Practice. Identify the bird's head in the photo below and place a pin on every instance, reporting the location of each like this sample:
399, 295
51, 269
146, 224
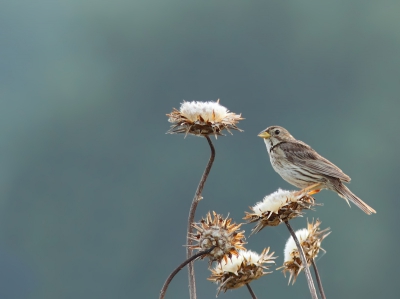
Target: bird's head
274, 135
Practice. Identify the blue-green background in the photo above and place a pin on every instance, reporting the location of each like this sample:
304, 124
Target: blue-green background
94, 195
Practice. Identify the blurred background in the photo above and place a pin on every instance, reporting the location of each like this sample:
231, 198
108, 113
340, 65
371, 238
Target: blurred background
94, 195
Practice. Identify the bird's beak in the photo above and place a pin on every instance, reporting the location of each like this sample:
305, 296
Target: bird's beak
265, 135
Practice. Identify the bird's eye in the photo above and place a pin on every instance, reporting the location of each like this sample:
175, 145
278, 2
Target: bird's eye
277, 132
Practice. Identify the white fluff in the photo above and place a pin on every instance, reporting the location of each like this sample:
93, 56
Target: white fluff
205, 109
290, 246
251, 256
274, 201
233, 265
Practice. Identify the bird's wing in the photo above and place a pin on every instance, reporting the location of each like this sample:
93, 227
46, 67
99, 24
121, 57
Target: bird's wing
304, 156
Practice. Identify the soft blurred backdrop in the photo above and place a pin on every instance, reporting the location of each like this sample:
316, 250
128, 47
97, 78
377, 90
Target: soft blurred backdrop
94, 195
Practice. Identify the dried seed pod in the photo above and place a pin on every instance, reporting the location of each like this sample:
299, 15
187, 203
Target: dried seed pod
241, 269
202, 118
310, 239
278, 207
220, 232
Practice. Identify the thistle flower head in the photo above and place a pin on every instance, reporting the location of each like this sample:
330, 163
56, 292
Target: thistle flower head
202, 118
310, 239
221, 233
280, 206
241, 269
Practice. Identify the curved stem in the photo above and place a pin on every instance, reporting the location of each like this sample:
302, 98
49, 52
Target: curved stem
172, 275
192, 212
251, 291
319, 282
310, 281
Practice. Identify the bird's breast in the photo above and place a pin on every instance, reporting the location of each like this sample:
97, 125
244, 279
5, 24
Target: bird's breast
288, 171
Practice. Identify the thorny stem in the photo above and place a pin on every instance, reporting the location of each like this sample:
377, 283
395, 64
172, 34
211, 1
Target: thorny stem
172, 275
321, 289
192, 212
304, 262
251, 291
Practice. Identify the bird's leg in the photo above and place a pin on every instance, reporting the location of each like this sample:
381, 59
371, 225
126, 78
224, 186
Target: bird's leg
312, 192
312, 189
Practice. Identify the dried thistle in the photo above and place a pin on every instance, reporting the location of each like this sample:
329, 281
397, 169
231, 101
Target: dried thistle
310, 239
241, 269
202, 118
220, 232
278, 207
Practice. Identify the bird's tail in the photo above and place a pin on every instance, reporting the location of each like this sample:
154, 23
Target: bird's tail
345, 193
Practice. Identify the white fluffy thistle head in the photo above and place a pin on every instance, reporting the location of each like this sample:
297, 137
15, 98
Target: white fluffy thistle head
202, 118
280, 206
241, 269
310, 239
209, 111
290, 247
234, 264
274, 201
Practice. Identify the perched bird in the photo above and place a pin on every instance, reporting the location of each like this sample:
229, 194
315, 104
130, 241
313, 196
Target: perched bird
301, 166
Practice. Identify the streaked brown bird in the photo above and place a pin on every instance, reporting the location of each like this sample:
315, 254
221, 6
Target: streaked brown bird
301, 166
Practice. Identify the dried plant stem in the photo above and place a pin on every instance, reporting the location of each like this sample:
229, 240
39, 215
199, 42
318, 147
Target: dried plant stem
310, 281
321, 289
172, 275
251, 291
192, 212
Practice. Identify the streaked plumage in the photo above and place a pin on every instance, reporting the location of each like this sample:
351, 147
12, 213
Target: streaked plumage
301, 166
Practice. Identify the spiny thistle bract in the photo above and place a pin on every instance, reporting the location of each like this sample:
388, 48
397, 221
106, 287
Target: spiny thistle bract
220, 232
241, 269
278, 207
202, 118
310, 239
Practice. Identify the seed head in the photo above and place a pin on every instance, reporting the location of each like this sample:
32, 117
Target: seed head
220, 232
310, 239
280, 206
241, 269
202, 118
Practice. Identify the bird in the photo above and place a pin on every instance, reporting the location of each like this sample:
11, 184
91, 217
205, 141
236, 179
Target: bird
300, 165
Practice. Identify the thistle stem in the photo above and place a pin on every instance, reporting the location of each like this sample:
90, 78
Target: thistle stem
319, 282
310, 281
172, 275
251, 291
192, 212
